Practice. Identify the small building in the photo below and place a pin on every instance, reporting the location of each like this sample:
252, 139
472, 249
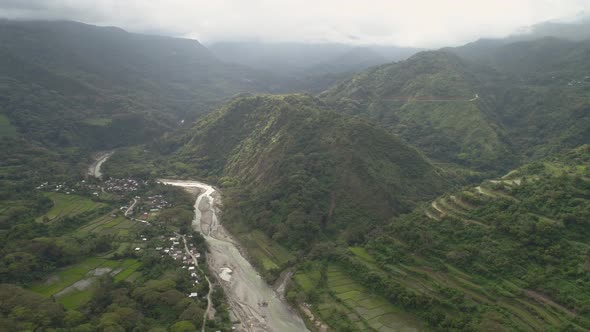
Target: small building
193, 294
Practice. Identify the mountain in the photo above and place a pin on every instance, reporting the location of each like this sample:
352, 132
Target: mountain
308, 67
509, 254
577, 30
293, 168
539, 92
433, 101
547, 58
486, 105
79, 79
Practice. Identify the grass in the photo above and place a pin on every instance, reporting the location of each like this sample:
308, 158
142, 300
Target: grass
76, 299
128, 271
6, 128
68, 206
67, 276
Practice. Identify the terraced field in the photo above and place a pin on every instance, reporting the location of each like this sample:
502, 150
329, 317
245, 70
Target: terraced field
368, 311
476, 212
265, 252
68, 206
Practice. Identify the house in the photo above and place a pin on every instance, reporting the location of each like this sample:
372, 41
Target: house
193, 294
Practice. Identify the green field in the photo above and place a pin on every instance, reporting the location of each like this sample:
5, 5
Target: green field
68, 206
66, 277
6, 129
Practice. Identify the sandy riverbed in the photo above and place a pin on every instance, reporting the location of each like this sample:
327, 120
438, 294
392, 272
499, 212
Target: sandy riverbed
252, 300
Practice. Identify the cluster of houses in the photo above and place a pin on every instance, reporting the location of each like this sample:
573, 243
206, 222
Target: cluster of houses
122, 186
179, 254
157, 202
56, 187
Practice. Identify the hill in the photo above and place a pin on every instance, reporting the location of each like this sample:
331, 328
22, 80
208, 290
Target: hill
490, 106
68, 88
293, 168
432, 101
546, 58
62, 82
510, 254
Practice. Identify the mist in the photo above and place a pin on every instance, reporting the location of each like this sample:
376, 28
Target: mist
419, 23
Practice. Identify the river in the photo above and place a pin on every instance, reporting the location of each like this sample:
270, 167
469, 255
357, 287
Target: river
253, 302
94, 169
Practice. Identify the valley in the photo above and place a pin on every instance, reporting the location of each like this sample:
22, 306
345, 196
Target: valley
153, 183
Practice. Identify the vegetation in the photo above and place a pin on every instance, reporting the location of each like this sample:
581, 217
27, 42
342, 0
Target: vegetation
299, 172
468, 113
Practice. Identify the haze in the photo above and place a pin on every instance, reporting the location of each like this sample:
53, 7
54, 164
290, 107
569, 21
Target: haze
418, 23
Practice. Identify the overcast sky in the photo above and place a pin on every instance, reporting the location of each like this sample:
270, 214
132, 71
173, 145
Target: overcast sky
421, 23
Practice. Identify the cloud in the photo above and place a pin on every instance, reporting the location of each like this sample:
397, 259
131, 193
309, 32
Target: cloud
423, 23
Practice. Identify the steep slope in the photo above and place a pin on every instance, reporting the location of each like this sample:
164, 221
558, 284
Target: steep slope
76, 84
508, 255
433, 101
300, 172
546, 58
541, 94
166, 70
68, 88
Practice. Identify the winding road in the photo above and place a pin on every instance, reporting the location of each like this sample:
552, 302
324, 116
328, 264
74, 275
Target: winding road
253, 302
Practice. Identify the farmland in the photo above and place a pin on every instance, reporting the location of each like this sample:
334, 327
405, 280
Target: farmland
345, 300
266, 254
72, 286
68, 206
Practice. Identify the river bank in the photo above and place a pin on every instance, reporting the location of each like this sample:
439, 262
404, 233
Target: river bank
253, 302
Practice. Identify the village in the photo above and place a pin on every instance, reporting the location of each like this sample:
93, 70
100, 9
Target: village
187, 257
115, 186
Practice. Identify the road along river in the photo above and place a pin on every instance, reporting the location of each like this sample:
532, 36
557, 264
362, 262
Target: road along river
253, 302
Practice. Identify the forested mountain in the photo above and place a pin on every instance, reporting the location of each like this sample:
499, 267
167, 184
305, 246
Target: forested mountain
544, 59
509, 254
432, 101
70, 83
299, 171
492, 109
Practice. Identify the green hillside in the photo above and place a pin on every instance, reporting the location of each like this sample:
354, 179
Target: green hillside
501, 105
508, 255
432, 100
299, 171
